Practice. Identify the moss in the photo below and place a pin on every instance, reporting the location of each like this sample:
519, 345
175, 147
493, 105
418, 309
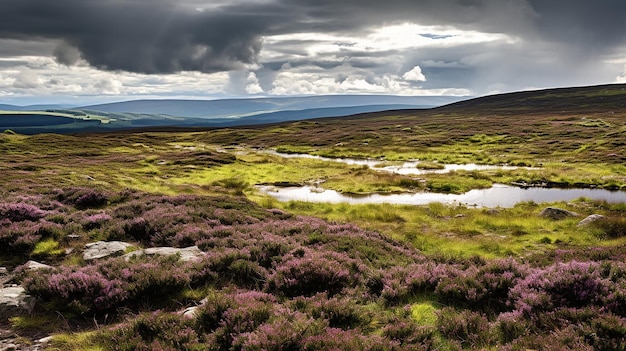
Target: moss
47, 248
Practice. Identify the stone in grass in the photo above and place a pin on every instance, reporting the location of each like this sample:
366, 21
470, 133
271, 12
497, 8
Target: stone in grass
15, 302
35, 266
590, 219
192, 312
557, 213
192, 253
102, 249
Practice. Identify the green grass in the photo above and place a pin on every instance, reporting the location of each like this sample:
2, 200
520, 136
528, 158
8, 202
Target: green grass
85, 341
424, 314
47, 248
565, 149
461, 231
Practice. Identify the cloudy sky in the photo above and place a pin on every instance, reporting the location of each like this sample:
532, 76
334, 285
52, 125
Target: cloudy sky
77, 51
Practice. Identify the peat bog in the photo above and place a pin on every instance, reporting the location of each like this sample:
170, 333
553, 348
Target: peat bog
314, 276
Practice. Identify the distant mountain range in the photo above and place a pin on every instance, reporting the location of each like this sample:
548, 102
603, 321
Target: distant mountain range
6, 107
201, 113
233, 108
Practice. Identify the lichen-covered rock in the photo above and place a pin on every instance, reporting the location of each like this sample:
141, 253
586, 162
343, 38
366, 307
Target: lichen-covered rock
14, 302
192, 253
102, 249
590, 219
35, 266
557, 213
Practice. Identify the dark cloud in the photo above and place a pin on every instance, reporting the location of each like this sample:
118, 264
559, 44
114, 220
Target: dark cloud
166, 36
14, 47
589, 25
147, 36
66, 54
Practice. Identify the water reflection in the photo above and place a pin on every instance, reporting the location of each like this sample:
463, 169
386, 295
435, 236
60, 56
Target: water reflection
406, 168
497, 196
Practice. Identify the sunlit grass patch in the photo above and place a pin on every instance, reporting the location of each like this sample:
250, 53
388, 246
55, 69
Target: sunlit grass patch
424, 313
48, 247
85, 341
40, 323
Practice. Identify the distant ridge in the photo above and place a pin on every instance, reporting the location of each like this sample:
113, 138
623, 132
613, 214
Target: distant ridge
6, 107
226, 108
589, 98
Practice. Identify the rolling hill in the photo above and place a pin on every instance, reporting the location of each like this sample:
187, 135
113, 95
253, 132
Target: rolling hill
229, 108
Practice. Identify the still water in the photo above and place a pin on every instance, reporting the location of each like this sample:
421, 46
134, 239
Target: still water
406, 168
497, 196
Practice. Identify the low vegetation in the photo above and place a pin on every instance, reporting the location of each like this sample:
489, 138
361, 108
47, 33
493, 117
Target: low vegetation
305, 276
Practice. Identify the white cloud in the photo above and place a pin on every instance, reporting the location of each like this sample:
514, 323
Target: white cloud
415, 75
621, 78
27, 79
309, 80
253, 86
109, 86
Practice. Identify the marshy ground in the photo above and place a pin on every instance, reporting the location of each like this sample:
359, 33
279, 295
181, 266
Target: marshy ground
432, 277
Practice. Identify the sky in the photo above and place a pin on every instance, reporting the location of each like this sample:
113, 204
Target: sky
88, 51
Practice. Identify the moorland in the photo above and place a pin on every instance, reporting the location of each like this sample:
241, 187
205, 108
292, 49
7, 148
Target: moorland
273, 275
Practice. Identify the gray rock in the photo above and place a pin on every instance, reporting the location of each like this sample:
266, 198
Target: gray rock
8, 347
590, 219
190, 312
35, 266
557, 213
103, 249
192, 253
14, 302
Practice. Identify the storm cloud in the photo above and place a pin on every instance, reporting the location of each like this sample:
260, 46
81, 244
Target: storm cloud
165, 36
309, 46
149, 36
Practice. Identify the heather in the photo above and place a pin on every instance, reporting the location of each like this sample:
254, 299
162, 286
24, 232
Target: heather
305, 276
273, 280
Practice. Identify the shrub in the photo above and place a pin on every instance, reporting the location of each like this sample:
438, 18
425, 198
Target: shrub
346, 340
566, 339
340, 312
286, 332
611, 227
96, 221
154, 331
574, 284
19, 212
83, 198
306, 273
106, 285
210, 313
470, 329
405, 331
21, 238
607, 332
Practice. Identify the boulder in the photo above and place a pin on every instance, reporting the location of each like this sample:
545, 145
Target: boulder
557, 213
102, 249
192, 253
35, 266
192, 312
590, 219
14, 302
